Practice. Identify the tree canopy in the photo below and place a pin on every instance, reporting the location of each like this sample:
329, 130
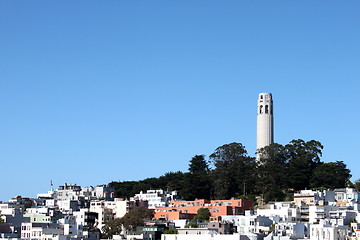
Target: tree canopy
330, 175
111, 228
135, 218
198, 164
203, 214
234, 171
280, 170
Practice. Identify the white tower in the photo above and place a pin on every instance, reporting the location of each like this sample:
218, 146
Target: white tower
265, 121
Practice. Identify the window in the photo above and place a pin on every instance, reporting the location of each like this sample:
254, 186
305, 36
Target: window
261, 109
267, 109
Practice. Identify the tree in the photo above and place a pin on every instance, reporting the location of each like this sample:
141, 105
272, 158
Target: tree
192, 224
111, 228
174, 180
197, 183
330, 175
198, 164
272, 173
357, 185
170, 231
136, 217
304, 157
203, 214
234, 171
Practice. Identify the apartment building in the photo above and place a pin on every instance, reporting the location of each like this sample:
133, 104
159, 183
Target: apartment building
217, 208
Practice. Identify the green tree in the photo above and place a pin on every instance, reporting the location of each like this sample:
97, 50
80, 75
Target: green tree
330, 175
171, 231
198, 164
203, 214
234, 171
111, 228
304, 157
174, 180
272, 175
196, 183
356, 185
192, 224
136, 217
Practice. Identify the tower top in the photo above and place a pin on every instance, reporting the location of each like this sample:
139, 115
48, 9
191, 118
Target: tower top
265, 103
264, 96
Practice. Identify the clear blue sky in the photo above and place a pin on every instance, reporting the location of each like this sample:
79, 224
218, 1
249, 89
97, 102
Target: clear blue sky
96, 91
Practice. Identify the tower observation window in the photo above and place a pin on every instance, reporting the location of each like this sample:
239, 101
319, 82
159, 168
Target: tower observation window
261, 109
266, 109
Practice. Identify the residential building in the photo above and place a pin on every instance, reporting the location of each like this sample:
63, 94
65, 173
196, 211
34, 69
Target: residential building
157, 198
280, 212
291, 230
217, 208
310, 197
124, 206
317, 213
37, 230
325, 231
250, 223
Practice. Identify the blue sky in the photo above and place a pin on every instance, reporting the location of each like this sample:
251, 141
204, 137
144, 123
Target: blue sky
100, 91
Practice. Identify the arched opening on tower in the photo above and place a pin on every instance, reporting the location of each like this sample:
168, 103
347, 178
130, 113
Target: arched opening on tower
267, 109
261, 109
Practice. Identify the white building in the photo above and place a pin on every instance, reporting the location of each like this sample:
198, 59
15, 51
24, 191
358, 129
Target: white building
68, 192
75, 192
67, 205
204, 234
316, 213
124, 206
325, 231
105, 210
281, 212
101, 192
310, 197
38, 230
71, 226
346, 195
157, 198
291, 230
249, 223
342, 217
8, 208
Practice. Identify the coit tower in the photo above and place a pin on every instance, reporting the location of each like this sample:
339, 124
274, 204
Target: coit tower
265, 121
